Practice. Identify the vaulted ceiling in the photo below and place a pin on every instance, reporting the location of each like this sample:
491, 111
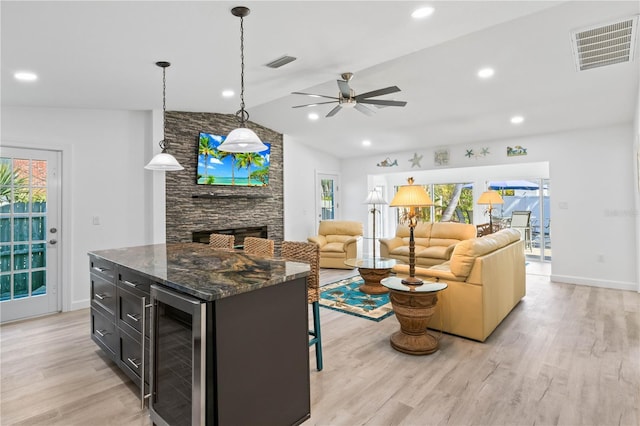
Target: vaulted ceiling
101, 54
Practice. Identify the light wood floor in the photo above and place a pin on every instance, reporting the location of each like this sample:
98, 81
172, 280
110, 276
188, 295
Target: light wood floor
567, 355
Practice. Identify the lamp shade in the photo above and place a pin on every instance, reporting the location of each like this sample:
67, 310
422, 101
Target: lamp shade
375, 197
242, 140
490, 197
411, 196
164, 162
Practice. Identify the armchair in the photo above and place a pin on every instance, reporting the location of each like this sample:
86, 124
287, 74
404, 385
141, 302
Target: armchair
338, 241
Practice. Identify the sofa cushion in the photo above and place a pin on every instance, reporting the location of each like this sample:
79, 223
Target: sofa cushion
404, 250
465, 252
340, 227
335, 247
338, 238
435, 252
447, 233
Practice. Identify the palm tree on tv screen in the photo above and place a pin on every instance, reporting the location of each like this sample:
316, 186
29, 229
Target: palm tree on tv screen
206, 150
247, 159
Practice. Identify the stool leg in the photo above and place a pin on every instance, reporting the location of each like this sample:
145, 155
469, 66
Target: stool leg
316, 333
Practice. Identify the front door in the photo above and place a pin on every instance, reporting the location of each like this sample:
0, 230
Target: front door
29, 233
327, 186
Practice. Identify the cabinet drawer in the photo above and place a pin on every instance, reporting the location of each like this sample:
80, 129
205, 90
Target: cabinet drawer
103, 331
130, 311
132, 280
102, 268
130, 360
103, 293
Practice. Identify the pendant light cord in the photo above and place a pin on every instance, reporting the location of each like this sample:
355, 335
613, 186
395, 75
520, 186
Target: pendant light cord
242, 115
163, 142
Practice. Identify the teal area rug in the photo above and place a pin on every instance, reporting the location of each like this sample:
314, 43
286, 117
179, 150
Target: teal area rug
344, 296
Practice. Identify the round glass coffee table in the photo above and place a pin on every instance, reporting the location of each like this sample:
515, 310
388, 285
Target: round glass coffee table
372, 270
414, 306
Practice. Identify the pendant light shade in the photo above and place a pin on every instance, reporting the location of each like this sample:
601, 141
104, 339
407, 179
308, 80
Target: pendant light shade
164, 161
242, 139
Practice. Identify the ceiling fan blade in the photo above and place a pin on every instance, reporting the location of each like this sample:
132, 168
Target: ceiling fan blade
334, 111
310, 105
382, 102
313, 95
379, 92
344, 88
363, 109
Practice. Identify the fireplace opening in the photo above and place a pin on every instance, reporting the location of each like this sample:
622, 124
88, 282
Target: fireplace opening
238, 233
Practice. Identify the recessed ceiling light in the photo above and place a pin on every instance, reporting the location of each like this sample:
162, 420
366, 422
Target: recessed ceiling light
422, 12
366, 142
25, 76
486, 73
228, 93
313, 116
517, 119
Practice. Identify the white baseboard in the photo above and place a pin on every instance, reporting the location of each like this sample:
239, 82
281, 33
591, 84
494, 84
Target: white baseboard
617, 285
80, 304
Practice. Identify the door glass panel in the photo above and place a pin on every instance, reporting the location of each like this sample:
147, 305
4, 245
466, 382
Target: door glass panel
5, 258
20, 285
21, 229
5, 229
38, 258
20, 257
38, 228
38, 283
328, 199
5, 287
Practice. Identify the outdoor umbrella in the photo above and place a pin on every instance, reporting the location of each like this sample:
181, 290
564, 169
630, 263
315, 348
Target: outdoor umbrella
512, 184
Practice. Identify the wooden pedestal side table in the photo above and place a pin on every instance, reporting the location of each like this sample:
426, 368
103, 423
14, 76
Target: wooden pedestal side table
414, 306
372, 270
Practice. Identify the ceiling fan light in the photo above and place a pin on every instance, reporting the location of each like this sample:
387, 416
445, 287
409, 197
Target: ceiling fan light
242, 140
164, 162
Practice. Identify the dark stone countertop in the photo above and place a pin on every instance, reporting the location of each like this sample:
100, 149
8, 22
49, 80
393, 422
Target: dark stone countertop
198, 270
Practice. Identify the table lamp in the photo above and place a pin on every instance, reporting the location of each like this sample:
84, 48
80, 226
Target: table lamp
374, 198
412, 197
490, 198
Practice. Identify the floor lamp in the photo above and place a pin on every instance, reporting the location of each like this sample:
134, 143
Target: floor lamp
412, 197
490, 198
374, 198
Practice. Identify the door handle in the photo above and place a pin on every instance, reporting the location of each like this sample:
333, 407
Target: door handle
53, 241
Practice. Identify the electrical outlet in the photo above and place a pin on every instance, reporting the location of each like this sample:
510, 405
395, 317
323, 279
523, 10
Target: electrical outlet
601, 258
95, 220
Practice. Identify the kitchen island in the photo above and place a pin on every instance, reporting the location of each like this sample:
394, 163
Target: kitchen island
225, 340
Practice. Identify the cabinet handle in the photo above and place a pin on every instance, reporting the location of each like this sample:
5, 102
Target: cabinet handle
136, 318
143, 307
136, 364
130, 284
101, 296
97, 268
102, 333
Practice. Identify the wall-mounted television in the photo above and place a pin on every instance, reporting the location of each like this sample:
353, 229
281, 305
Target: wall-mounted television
230, 168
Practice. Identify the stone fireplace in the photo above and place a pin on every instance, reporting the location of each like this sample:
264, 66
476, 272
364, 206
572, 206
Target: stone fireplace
194, 208
238, 233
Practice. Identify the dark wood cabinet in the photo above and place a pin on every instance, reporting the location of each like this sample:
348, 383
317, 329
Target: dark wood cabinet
119, 310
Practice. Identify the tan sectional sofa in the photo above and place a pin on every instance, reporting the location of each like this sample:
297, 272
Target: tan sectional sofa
434, 242
486, 280
338, 240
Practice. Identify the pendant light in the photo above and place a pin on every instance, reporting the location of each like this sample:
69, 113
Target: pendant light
164, 161
242, 139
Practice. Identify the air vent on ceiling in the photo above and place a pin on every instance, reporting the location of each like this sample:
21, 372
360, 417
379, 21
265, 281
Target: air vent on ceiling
284, 60
602, 45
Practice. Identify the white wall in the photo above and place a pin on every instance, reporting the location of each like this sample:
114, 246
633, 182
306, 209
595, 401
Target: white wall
104, 153
635, 160
300, 190
590, 174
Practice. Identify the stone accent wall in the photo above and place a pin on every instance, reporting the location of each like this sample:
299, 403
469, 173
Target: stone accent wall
234, 206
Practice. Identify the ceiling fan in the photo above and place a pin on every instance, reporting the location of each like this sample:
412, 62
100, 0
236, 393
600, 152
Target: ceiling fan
347, 98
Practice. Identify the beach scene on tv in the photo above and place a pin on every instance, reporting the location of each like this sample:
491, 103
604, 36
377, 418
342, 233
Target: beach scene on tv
230, 168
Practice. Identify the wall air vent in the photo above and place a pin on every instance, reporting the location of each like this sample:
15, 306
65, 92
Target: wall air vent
284, 60
603, 45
